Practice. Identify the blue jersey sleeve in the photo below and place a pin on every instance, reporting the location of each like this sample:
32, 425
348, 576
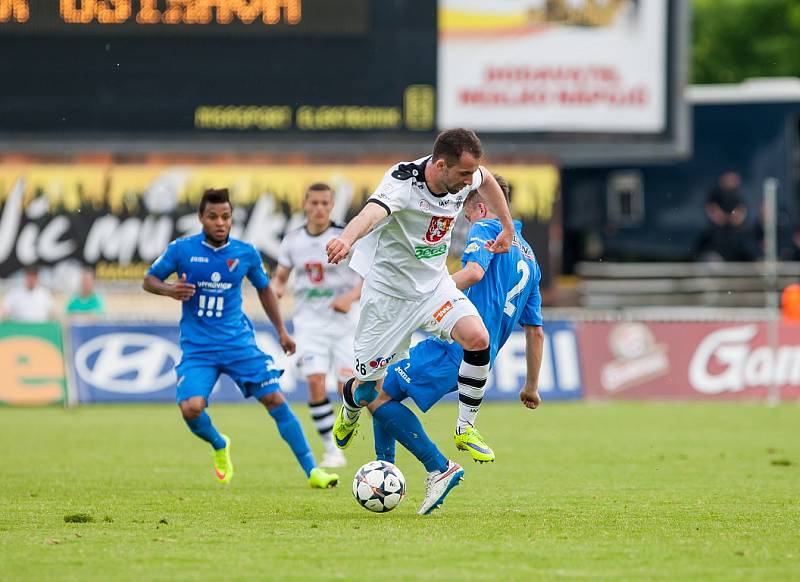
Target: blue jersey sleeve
167, 263
475, 250
256, 271
532, 313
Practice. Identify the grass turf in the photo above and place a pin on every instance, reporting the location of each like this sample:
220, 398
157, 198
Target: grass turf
622, 491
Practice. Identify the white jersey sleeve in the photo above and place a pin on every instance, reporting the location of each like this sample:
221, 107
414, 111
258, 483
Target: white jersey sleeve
392, 193
284, 256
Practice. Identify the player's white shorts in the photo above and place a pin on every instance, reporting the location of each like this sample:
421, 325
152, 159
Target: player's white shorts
384, 330
319, 353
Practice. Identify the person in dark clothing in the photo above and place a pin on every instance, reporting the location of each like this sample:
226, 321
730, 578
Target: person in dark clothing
727, 237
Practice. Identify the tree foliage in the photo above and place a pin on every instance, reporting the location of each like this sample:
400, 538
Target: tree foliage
738, 39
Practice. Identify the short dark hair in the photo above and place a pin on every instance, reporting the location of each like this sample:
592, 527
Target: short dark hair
451, 144
318, 187
504, 186
212, 196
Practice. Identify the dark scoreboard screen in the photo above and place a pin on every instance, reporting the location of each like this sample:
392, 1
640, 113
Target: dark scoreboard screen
217, 66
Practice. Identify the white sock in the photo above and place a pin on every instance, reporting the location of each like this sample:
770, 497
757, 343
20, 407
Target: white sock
323, 418
471, 388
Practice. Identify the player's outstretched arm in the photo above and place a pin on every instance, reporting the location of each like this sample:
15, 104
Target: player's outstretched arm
493, 194
269, 302
180, 289
339, 247
470, 274
534, 346
279, 280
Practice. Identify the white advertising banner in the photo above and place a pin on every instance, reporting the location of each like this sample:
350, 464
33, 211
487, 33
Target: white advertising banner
553, 65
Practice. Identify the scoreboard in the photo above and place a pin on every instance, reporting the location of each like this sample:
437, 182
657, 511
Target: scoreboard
578, 81
201, 17
227, 67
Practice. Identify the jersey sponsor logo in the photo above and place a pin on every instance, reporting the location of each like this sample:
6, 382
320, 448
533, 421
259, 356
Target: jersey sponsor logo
319, 293
524, 249
315, 272
424, 206
472, 247
214, 285
127, 362
443, 203
216, 277
210, 305
439, 314
438, 228
198, 259
270, 381
232, 264
381, 362
423, 253
402, 373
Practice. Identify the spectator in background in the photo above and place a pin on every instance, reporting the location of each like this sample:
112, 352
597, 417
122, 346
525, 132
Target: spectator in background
727, 237
29, 302
86, 303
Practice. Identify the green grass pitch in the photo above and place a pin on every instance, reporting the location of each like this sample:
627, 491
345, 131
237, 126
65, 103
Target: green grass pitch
579, 491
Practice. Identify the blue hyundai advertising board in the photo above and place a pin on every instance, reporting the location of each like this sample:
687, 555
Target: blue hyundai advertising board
124, 362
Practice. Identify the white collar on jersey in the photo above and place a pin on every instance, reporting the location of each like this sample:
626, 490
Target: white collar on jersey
215, 249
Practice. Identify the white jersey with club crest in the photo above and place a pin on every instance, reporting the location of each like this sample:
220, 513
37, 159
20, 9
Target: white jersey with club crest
405, 255
317, 282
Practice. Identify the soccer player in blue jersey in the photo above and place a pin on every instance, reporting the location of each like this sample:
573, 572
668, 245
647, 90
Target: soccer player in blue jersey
218, 338
505, 290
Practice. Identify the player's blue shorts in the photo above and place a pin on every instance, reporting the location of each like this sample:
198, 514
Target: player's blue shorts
430, 372
253, 371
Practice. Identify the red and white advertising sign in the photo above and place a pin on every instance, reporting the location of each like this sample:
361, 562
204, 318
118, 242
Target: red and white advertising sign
687, 360
540, 65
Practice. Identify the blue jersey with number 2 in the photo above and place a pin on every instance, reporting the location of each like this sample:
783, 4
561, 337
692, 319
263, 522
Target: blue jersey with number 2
508, 294
213, 320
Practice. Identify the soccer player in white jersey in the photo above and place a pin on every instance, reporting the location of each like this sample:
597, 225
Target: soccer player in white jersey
324, 315
407, 285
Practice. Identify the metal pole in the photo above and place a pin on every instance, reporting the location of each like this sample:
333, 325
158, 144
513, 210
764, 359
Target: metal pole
771, 276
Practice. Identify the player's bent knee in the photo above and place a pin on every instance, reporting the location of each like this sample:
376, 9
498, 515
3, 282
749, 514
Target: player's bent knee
191, 408
477, 341
272, 400
471, 334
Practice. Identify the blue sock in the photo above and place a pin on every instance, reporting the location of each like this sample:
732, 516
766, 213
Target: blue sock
202, 427
404, 426
292, 433
384, 442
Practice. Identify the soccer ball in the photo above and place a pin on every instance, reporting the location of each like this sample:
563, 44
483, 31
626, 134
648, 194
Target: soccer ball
379, 486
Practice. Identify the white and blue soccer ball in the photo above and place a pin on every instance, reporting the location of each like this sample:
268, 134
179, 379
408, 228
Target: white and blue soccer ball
379, 486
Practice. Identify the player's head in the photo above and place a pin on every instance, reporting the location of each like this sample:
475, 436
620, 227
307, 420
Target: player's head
318, 204
475, 207
87, 282
31, 277
216, 213
456, 156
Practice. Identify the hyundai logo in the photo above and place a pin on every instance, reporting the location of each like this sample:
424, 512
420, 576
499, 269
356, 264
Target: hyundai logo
129, 363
